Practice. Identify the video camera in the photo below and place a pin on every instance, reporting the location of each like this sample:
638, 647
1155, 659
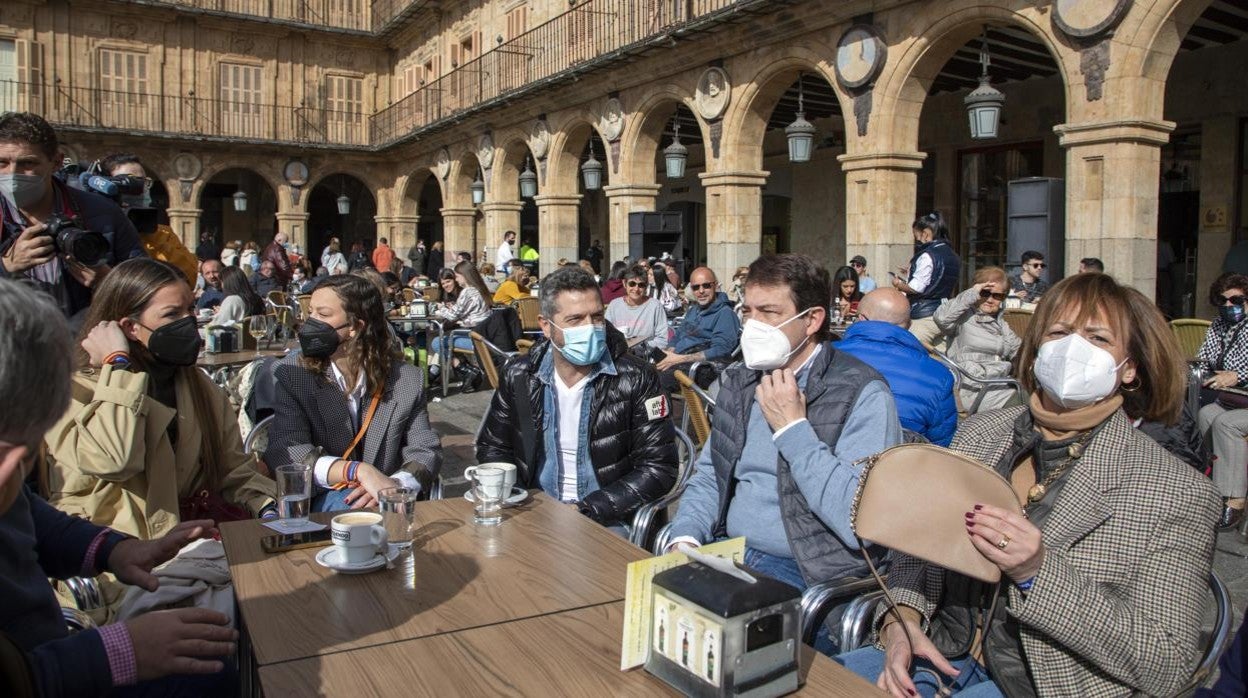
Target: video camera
144, 218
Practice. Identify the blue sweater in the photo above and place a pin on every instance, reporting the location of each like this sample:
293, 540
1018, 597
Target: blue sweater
714, 330
37, 542
922, 386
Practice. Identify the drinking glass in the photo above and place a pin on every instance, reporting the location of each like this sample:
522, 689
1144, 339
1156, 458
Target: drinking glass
488, 489
259, 326
398, 511
294, 492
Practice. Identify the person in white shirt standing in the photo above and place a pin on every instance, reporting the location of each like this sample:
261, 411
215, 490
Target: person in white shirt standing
505, 253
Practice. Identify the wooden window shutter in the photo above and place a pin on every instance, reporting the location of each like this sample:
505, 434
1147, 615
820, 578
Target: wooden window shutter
30, 69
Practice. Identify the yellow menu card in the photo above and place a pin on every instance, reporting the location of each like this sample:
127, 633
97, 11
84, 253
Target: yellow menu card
638, 600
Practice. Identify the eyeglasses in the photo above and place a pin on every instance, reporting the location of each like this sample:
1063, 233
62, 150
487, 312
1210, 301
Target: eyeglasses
986, 294
699, 287
1039, 265
1234, 300
635, 284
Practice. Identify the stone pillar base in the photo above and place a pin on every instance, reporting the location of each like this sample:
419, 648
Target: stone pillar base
624, 199
400, 230
500, 216
458, 225
880, 192
185, 224
557, 221
734, 219
295, 225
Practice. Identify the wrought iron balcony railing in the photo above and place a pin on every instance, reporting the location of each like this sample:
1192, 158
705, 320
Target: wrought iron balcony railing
176, 115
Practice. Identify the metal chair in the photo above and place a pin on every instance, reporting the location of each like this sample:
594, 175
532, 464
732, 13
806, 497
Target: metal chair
981, 385
485, 352
819, 599
76, 620
1191, 334
1018, 319
260, 429
646, 516
528, 310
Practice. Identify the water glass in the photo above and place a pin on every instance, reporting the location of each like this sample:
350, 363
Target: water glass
398, 511
294, 492
489, 486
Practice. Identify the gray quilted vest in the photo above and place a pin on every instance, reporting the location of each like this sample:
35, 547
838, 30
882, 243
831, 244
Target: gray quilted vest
835, 379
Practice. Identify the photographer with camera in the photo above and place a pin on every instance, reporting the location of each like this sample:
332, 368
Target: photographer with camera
134, 195
62, 239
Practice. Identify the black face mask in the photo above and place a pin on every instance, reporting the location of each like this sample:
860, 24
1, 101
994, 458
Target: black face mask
319, 339
175, 344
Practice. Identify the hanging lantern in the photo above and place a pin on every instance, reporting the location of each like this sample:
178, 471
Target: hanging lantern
983, 104
344, 205
800, 133
240, 201
675, 155
528, 182
478, 190
591, 171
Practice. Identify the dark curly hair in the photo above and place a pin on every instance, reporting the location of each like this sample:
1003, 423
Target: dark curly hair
373, 349
25, 127
1228, 280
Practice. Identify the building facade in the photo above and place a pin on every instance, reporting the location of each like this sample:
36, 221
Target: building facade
397, 107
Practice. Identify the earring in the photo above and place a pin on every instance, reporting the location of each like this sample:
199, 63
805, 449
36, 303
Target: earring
1133, 386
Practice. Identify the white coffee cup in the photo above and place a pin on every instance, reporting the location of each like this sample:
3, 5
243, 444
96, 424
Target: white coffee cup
509, 474
359, 536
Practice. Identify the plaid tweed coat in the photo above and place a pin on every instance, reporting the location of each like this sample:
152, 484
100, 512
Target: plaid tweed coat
1117, 605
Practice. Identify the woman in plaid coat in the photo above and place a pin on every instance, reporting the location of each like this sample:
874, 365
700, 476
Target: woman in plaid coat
1103, 583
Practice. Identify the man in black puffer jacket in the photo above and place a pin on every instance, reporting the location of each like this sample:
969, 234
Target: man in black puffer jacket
582, 375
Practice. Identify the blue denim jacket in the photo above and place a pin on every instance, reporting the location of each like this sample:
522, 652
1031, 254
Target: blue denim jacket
551, 473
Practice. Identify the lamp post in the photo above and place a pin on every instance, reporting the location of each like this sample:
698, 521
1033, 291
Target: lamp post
675, 155
800, 133
983, 104
478, 190
591, 171
528, 181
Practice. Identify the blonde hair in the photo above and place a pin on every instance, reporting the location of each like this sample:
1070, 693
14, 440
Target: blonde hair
984, 275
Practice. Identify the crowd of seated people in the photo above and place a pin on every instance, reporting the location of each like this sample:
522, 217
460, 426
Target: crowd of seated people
122, 444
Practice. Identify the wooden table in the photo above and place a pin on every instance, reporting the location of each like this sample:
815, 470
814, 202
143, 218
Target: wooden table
544, 558
573, 653
238, 358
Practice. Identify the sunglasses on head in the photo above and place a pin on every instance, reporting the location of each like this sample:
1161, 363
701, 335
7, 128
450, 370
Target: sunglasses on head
1234, 300
985, 294
699, 287
635, 284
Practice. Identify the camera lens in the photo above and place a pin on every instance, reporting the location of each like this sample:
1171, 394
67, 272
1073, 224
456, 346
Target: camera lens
87, 248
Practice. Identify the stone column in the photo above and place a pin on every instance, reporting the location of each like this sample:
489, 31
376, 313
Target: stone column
185, 224
400, 230
556, 225
880, 191
1111, 196
500, 216
623, 199
295, 225
457, 226
734, 219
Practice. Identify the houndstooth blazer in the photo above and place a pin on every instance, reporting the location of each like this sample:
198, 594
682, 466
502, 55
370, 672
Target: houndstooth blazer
1117, 605
311, 414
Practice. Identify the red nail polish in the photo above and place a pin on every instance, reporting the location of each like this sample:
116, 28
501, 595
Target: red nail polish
969, 523
970, 515
978, 507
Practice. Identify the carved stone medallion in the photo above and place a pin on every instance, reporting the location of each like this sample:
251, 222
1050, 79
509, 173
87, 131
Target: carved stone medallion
1087, 19
296, 173
612, 119
539, 139
713, 93
442, 163
485, 151
188, 167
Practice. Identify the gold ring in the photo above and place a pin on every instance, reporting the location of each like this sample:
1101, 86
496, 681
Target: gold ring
1005, 540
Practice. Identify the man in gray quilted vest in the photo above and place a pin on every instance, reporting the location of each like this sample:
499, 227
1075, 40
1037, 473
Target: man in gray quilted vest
790, 423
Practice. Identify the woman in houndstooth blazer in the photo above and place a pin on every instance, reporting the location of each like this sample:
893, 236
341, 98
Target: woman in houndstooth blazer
325, 397
1103, 583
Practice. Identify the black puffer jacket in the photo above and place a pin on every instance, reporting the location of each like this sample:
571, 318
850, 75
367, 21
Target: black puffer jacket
634, 456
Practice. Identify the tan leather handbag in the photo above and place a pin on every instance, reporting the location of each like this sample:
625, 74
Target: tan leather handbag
913, 498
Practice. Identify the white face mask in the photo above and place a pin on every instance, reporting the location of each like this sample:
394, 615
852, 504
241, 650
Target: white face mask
766, 348
1075, 372
22, 190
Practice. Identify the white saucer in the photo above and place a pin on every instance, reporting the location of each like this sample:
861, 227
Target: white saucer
328, 558
518, 494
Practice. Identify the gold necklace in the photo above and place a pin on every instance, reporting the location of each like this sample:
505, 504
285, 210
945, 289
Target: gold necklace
1073, 453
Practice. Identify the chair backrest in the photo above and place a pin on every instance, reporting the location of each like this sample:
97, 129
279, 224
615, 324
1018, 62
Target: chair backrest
257, 440
1191, 333
1018, 319
409, 294
528, 309
485, 359
277, 298
695, 408
305, 304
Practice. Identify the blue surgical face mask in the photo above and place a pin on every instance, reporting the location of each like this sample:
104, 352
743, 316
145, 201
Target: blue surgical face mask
583, 345
1232, 314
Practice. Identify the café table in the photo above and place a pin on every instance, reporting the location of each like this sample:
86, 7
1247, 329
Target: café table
240, 358
570, 653
544, 558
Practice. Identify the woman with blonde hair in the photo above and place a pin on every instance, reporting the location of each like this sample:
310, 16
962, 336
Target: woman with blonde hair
515, 287
981, 342
148, 438
1104, 577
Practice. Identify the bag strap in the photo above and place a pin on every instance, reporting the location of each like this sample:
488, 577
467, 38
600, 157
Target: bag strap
368, 419
524, 411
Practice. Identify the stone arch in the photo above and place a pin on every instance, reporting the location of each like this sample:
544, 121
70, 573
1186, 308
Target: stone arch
410, 186
1158, 34
456, 191
641, 139
745, 123
328, 169
216, 167
901, 91
509, 161
568, 141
